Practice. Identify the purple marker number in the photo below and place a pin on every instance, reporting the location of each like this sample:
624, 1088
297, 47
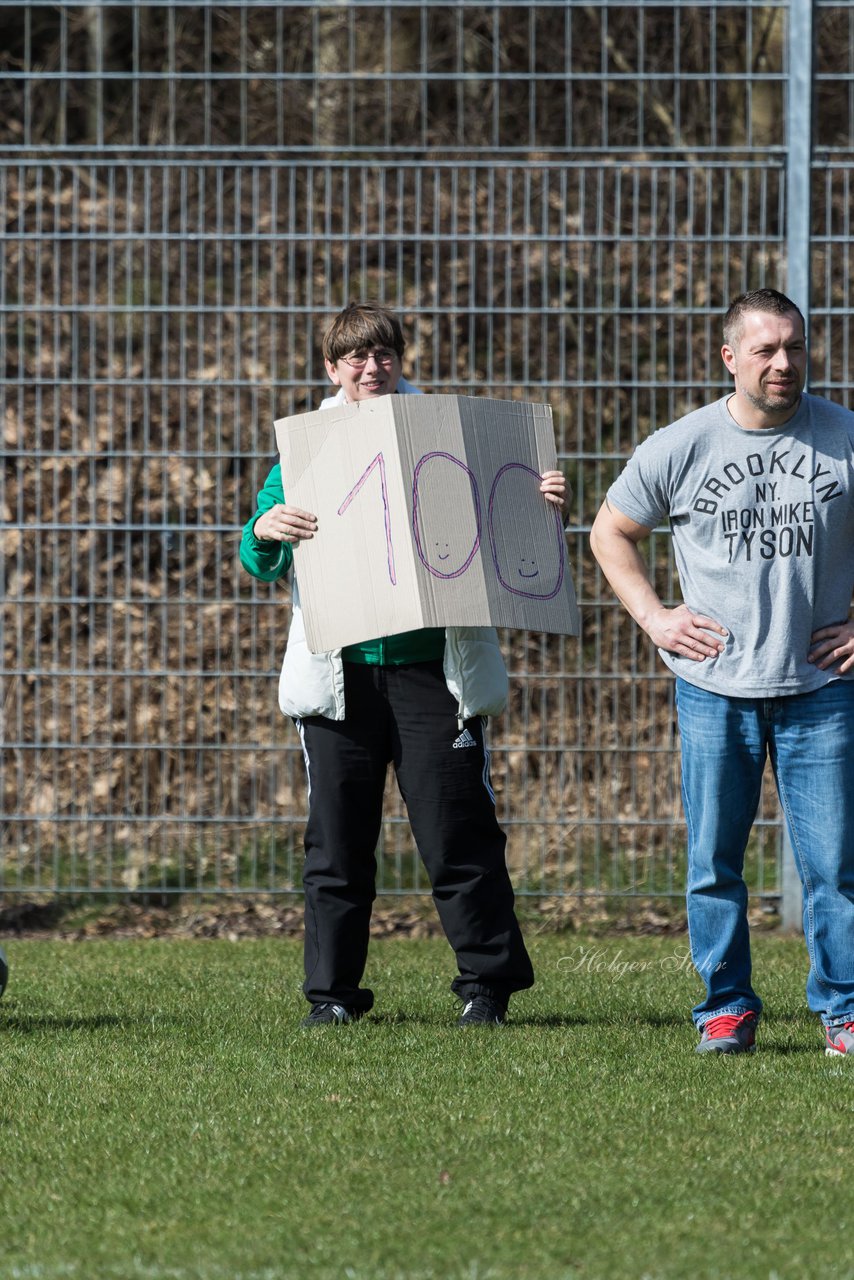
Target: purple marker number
378, 461
544, 590
418, 520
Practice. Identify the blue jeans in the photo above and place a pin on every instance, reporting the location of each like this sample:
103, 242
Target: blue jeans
809, 738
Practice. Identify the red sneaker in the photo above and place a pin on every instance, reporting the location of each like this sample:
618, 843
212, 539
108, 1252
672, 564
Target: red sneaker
730, 1033
839, 1040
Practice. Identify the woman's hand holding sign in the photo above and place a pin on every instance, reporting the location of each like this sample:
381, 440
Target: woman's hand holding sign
553, 489
285, 524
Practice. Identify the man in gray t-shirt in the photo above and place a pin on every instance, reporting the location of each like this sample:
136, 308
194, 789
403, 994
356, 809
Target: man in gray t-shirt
759, 491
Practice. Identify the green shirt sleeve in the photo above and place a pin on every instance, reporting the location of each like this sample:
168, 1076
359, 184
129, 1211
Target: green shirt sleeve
266, 560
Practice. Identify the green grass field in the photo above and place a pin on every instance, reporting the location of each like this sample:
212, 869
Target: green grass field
162, 1115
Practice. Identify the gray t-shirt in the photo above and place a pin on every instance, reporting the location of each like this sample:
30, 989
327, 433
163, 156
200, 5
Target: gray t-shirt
763, 533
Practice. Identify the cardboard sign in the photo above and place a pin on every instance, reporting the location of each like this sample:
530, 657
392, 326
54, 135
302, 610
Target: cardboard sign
429, 514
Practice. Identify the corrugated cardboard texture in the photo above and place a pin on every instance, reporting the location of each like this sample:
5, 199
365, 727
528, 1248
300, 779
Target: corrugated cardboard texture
429, 514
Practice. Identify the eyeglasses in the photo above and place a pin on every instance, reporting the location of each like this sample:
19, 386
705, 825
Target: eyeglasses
381, 355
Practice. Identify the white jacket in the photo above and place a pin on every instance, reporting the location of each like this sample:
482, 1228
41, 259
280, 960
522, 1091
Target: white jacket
312, 684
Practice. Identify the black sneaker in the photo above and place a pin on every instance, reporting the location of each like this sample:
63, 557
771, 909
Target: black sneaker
482, 1011
330, 1015
4, 971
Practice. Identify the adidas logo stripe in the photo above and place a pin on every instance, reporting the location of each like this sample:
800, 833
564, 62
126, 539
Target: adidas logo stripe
465, 740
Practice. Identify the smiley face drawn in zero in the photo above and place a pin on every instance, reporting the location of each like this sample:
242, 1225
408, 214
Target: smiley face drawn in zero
516, 489
444, 553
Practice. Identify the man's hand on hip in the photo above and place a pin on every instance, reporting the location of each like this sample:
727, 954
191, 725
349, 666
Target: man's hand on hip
833, 644
685, 632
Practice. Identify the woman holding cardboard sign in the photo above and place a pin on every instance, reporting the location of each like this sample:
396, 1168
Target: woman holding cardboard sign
419, 700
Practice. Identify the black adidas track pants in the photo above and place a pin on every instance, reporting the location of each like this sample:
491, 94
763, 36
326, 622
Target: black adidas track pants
404, 715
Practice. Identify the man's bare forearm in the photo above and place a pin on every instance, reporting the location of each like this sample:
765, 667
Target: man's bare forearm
623, 565
613, 540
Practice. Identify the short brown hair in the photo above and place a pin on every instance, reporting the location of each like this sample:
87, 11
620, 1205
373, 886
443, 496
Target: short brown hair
757, 300
359, 326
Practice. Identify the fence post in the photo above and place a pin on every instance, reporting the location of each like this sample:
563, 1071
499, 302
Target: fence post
798, 190
799, 152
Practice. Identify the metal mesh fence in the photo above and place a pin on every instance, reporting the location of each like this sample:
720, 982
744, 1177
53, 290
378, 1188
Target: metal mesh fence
559, 199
